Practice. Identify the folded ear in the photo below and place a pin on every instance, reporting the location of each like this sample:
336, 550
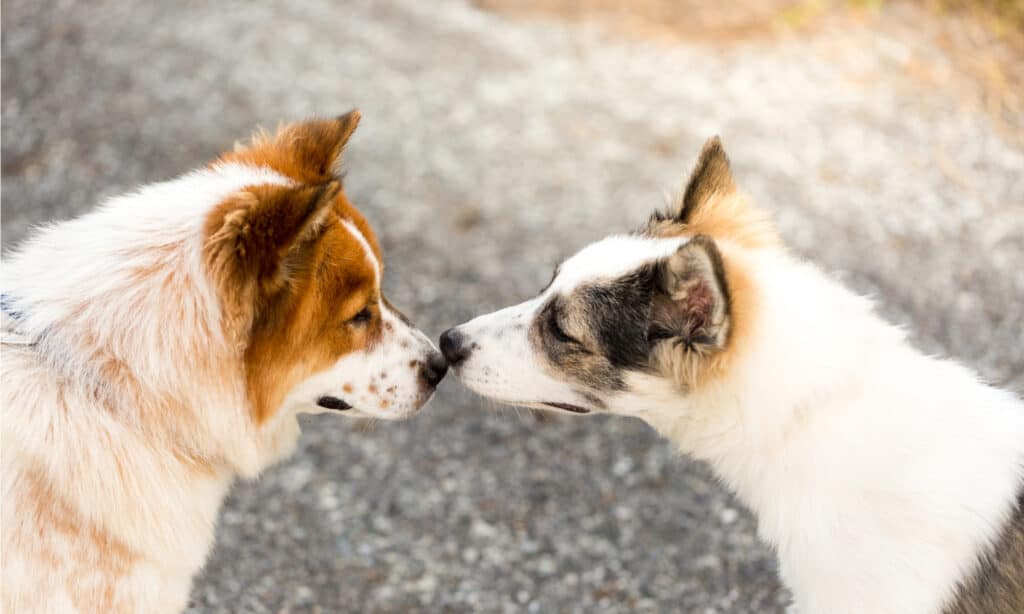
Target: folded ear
691, 304
711, 177
307, 151
253, 238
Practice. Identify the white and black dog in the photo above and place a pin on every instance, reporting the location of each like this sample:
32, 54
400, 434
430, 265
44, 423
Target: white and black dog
888, 481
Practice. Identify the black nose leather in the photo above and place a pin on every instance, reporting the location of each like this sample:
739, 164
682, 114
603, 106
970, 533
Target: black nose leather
454, 347
434, 368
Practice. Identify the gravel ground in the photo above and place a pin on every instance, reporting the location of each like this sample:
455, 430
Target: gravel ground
492, 145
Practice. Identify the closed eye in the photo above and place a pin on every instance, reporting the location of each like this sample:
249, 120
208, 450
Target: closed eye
364, 316
656, 334
558, 332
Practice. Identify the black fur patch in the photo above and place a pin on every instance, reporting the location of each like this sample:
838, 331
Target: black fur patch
599, 331
997, 587
618, 313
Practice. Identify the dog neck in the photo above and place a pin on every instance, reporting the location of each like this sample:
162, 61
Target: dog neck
877, 473
805, 344
107, 475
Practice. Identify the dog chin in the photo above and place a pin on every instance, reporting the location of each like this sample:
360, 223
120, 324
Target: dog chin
566, 407
552, 406
545, 405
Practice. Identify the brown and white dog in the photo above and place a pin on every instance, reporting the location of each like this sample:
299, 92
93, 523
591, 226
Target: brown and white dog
888, 481
162, 345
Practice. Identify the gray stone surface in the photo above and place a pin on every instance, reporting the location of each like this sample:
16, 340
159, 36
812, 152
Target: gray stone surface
490, 148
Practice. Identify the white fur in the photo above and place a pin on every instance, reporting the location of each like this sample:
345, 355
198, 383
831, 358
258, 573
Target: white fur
504, 365
367, 250
610, 258
879, 475
97, 286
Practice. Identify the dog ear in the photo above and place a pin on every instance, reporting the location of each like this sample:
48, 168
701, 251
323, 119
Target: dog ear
255, 237
710, 178
316, 145
691, 301
307, 151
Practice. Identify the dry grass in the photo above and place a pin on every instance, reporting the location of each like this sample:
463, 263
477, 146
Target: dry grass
693, 20
985, 40
982, 40
1008, 13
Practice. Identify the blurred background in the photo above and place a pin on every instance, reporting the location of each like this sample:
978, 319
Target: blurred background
886, 138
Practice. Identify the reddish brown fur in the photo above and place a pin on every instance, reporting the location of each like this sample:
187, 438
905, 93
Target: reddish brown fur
307, 152
97, 561
291, 274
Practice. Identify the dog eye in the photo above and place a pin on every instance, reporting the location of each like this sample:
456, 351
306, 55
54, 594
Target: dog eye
655, 334
362, 317
557, 332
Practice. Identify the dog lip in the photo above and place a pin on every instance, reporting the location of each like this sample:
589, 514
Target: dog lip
576, 409
329, 402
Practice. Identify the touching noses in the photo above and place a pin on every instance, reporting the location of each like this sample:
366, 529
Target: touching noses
433, 369
454, 347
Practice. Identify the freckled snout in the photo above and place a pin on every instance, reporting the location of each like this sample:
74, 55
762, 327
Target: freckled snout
455, 347
434, 369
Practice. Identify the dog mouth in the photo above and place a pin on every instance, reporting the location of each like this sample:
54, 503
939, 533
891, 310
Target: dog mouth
328, 402
576, 409
569, 407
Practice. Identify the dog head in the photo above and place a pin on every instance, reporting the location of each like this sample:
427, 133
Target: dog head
629, 317
299, 271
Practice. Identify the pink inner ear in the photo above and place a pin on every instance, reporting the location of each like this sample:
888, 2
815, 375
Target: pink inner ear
697, 305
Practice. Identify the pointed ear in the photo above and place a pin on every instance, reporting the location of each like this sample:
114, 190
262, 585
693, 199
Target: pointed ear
307, 151
253, 236
691, 304
316, 145
711, 177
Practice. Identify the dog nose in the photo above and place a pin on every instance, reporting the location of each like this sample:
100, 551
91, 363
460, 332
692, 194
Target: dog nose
434, 368
454, 347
